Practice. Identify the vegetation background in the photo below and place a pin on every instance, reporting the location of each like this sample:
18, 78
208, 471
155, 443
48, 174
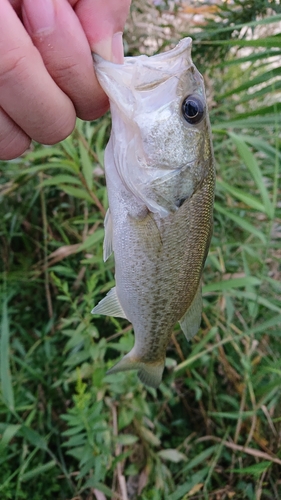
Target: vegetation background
213, 429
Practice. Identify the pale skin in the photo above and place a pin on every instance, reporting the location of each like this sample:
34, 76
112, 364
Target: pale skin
47, 77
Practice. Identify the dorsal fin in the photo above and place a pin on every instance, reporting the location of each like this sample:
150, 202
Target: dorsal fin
110, 305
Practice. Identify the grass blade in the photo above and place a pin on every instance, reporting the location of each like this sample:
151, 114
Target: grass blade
221, 286
86, 164
5, 374
246, 198
41, 469
56, 180
253, 167
8, 434
244, 224
264, 77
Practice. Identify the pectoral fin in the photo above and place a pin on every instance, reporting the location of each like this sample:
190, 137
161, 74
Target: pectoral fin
110, 305
108, 235
190, 322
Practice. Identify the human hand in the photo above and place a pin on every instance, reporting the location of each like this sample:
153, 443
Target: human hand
46, 69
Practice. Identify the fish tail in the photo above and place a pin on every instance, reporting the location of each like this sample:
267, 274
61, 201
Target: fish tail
149, 373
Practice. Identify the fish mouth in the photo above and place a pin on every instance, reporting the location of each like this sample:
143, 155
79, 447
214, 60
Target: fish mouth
148, 72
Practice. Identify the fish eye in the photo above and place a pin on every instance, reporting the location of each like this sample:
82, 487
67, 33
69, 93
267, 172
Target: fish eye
193, 109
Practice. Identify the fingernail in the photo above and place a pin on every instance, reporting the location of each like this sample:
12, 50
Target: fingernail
39, 15
117, 48
111, 49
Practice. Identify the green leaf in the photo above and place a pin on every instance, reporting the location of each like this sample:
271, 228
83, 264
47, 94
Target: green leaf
172, 455
149, 436
265, 91
8, 434
5, 373
92, 483
270, 41
86, 164
43, 152
261, 78
232, 415
56, 180
92, 240
253, 167
76, 440
41, 469
244, 224
254, 297
100, 141
201, 457
127, 439
261, 145
243, 196
255, 469
197, 477
34, 438
248, 123
273, 109
249, 58
238, 26
125, 417
266, 325
221, 286
77, 193
61, 165
70, 149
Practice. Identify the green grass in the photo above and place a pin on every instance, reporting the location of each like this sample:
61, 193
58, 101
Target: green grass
213, 428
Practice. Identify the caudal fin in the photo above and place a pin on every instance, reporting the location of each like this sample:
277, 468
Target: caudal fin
149, 373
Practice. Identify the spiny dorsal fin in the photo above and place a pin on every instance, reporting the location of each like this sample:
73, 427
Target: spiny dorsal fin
110, 305
191, 320
108, 235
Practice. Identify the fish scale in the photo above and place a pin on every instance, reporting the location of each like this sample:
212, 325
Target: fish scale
160, 178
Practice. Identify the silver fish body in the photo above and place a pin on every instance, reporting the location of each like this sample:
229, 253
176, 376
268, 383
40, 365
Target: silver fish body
160, 178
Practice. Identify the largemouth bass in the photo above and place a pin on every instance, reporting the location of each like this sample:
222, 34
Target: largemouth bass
160, 178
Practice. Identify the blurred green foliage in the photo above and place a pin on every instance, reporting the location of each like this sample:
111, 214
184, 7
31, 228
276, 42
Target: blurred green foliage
212, 430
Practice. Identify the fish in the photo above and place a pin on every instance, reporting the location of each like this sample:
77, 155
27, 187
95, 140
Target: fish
160, 177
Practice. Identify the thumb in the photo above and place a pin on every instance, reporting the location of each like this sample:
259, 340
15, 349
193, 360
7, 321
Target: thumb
103, 23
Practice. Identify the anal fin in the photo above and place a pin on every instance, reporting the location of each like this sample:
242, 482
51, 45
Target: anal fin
191, 320
108, 236
110, 305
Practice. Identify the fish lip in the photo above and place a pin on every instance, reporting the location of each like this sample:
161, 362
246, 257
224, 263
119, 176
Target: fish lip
180, 48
